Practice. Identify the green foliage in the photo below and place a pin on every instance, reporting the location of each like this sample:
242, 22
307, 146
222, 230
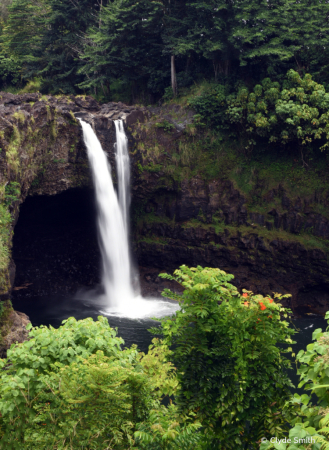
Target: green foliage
6, 308
310, 421
279, 31
297, 114
75, 388
122, 45
165, 430
19, 116
122, 50
168, 94
10, 70
5, 221
165, 125
211, 107
12, 192
34, 85
43, 37
229, 366
56, 388
292, 115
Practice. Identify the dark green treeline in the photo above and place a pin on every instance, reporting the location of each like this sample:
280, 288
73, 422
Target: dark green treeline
145, 48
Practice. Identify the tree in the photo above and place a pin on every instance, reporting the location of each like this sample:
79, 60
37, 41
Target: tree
297, 114
272, 31
66, 22
45, 36
126, 44
23, 33
229, 366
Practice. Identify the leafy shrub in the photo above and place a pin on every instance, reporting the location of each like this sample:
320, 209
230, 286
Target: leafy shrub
295, 113
32, 86
12, 192
211, 107
74, 387
10, 71
166, 430
310, 422
165, 125
168, 94
232, 373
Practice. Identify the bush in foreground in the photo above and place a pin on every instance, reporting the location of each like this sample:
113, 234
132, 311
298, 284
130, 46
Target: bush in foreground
232, 373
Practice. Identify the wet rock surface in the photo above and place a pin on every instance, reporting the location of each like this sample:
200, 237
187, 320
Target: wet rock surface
16, 331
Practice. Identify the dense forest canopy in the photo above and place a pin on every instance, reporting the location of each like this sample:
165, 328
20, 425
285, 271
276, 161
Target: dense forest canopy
143, 48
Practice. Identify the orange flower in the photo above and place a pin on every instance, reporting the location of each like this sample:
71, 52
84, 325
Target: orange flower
245, 294
271, 300
262, 306
270, 317
246, 303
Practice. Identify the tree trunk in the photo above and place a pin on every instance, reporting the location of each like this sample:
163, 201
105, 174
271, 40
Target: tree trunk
216, 69
100, 9
133, 90
173, 76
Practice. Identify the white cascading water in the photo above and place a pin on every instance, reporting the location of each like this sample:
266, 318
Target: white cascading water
123, 170
113, 226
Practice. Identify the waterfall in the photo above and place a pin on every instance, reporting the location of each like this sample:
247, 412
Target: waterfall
123, 170
113, 229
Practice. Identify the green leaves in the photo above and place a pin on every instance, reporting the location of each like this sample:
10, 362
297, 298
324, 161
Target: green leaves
225, 349
73, 387
167, 430
296, 115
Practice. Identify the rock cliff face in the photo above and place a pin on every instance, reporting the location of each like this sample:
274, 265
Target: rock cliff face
191, 219
176, 233
179, 216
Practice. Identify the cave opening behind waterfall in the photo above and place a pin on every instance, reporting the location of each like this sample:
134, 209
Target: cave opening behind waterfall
55, 247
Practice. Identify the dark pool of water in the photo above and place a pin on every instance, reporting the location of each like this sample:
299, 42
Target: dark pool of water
305, 327
53, 310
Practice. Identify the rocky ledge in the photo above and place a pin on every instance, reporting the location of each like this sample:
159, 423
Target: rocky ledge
13, 329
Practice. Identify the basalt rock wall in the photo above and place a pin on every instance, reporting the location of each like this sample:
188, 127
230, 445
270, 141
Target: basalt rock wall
193, 220
260, 262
